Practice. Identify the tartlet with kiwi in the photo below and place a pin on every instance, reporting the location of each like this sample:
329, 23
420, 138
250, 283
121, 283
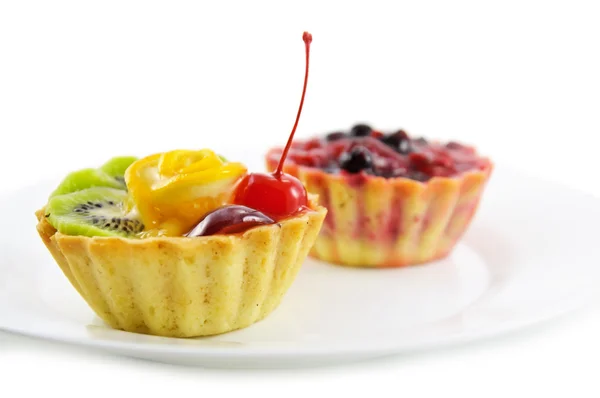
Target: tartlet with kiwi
183, 243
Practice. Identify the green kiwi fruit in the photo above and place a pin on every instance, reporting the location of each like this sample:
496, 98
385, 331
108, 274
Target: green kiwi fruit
116, 167
110, 175
86, 178
96, 211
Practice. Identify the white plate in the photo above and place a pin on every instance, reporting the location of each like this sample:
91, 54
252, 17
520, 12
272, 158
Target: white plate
531, 254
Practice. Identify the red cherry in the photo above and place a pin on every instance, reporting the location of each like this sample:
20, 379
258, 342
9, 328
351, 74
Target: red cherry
277, 195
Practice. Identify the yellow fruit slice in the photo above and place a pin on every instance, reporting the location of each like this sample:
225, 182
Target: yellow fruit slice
179, 161
172, 191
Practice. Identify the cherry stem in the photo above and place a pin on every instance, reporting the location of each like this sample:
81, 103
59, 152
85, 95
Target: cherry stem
307, 38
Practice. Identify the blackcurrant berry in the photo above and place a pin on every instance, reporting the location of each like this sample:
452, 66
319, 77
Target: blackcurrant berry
361, 130
399, 141
358, 159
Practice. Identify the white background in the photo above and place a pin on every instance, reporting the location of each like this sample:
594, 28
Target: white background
81, 81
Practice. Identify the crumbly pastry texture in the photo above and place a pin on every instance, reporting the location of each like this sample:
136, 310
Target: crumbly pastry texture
186, 287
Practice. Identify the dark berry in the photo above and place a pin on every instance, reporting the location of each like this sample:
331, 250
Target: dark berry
361, 130
399, 141
338, 135
358, 159
454, 145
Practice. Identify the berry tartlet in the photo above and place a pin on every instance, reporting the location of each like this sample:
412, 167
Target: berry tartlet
392, 200
181, 243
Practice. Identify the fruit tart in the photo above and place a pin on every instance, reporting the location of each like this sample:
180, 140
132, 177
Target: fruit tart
393, 200
182, 243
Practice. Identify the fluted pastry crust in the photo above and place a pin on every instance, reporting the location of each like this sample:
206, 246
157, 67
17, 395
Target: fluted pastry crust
185, 287
392, 222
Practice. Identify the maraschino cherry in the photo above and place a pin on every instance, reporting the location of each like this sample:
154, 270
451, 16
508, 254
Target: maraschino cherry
278, 195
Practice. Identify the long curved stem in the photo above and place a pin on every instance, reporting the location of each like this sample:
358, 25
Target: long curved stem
307, 37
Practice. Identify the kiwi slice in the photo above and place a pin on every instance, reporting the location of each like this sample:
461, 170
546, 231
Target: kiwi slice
110, 175
97, 211
116, 167
86, 178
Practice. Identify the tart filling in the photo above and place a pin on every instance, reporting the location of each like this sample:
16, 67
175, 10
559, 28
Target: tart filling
363, 151
177, 193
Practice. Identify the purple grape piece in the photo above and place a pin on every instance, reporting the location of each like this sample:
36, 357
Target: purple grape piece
231, 218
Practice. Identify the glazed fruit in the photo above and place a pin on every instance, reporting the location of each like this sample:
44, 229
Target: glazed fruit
86, 178
229, 220
183, 192
278, 195
361, 130
110, 174
399, 141
97, 211
117, 166
172, 191
356, 160
335, 136
390, 155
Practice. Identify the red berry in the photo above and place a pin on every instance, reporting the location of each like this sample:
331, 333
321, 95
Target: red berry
313, 144
314, 158
275, 197
420, 160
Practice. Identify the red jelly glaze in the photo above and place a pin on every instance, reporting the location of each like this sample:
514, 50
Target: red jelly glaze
432, 159
278, 195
